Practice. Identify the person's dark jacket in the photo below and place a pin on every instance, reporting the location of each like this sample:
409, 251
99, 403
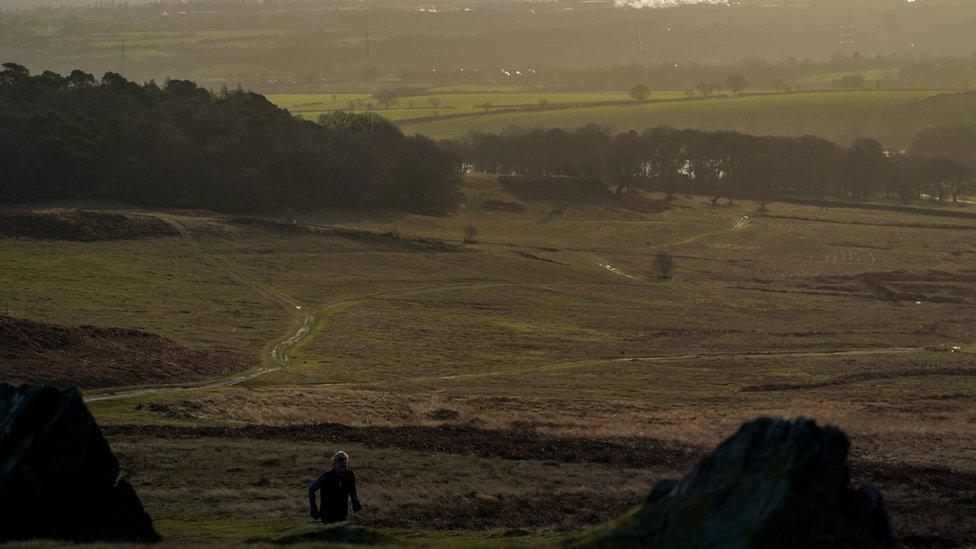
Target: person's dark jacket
336, 490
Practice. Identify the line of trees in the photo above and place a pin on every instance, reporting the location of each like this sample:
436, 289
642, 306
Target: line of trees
179, 145
724, 164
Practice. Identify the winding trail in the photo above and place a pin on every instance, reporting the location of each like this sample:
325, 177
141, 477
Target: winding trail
278, 353
740, 223
603, 263
279, 356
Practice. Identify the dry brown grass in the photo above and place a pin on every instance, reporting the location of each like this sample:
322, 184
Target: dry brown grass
532, 328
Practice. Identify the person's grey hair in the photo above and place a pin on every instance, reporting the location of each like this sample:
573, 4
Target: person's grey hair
340, 456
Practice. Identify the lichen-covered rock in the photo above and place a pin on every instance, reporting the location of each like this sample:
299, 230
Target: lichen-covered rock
775, 483
58, 476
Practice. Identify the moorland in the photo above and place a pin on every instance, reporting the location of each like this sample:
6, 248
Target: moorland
545, 347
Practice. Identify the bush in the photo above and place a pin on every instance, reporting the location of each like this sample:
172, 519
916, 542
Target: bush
665, 265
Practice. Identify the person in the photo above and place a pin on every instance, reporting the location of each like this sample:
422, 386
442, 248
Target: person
338, 486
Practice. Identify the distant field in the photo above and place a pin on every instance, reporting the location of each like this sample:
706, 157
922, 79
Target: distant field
174, 38
447, 103
824, 113
837, 115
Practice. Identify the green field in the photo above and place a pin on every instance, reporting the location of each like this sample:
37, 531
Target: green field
837, 115
787, 114
161, 39
448, 104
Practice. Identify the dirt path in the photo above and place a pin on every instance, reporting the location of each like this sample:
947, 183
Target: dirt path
603, 263
277, 354
279, 358
279, 351
738, 225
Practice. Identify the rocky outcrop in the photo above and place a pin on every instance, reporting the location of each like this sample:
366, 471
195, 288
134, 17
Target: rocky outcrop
775, 483
58, 476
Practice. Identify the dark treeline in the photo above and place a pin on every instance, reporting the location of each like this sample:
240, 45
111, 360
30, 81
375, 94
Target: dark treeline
179, 145
724, 164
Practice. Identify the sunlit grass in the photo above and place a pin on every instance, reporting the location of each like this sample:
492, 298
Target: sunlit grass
727, 112
448, 103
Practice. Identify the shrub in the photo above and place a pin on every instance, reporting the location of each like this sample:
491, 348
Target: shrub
665, 265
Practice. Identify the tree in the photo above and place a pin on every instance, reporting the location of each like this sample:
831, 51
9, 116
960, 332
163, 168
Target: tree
706, 89
864, 167
470, 232
434, 101
906, 178
956, 141
736, 84
627, 160
665, 265
640, 93
386, 97
849, 82
947, 177
80, 79
12, 72
181, 145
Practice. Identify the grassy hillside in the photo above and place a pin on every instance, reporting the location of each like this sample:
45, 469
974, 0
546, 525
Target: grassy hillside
547, 350
550, 347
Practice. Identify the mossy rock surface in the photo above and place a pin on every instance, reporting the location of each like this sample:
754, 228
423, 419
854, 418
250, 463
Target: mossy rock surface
775, 483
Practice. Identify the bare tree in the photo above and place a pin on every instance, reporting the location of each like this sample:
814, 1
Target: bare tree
706, 89
386, 97
781, 86
736, 84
